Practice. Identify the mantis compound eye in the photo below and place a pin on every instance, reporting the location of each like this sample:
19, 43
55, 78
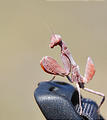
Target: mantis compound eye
55, 40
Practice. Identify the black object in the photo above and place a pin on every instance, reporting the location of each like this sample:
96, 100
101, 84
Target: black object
60, 101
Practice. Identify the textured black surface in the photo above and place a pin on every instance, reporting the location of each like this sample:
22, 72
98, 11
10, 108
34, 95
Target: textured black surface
59, 101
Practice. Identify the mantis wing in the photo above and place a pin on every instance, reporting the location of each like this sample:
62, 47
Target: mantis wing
90, 70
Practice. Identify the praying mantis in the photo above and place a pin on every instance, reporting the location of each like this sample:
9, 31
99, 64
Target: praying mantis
51, 66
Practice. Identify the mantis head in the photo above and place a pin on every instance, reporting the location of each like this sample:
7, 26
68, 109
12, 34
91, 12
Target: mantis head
55, 40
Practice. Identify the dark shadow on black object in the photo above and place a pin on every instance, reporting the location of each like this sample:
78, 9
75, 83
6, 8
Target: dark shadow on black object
59, 101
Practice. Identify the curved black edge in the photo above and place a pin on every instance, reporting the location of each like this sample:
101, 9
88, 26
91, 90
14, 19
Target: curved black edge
59, 101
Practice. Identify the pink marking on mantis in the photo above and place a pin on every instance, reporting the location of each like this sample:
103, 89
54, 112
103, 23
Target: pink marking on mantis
76, 76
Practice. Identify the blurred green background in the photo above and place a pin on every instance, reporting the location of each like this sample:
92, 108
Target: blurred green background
25, 30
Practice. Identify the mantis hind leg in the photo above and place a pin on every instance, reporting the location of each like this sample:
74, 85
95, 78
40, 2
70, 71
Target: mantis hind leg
78, 88
97, 93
